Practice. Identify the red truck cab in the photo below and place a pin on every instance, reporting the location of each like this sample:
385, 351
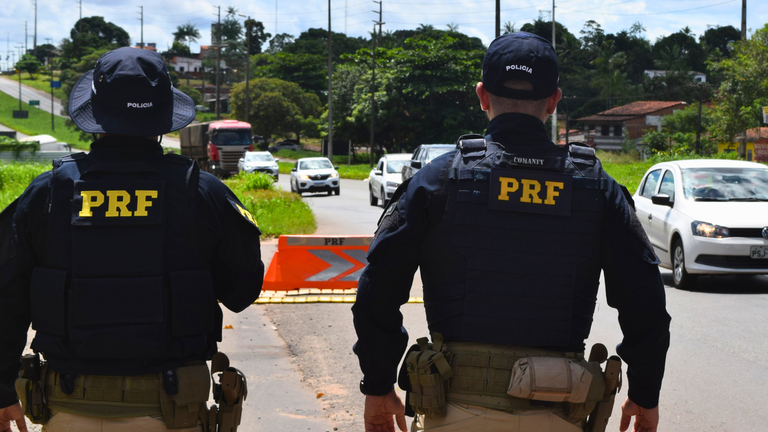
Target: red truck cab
228, 140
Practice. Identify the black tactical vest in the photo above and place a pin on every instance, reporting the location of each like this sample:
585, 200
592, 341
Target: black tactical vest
515, 258
122, 287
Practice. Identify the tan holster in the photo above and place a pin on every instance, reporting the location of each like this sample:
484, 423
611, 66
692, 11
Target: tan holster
229, 394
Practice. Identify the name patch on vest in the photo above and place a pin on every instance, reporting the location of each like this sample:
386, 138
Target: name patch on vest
97, 203
535, 162
531, 192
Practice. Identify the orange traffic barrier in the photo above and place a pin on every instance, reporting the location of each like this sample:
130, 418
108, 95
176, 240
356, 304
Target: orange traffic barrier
323, 262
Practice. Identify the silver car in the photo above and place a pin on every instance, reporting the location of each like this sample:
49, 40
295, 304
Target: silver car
315, 175
262, 162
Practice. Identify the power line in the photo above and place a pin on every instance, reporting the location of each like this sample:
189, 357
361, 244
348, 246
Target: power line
658, 13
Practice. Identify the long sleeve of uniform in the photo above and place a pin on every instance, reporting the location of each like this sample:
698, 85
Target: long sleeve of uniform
386, 283
635, 288
237, 271
17, 224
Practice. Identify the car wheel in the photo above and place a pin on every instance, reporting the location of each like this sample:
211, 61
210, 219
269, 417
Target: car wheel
293, 189
384, 200
680, 276
330, 192
337, 191
373, 199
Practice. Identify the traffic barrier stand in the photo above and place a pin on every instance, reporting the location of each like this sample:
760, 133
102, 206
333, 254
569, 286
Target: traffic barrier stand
316, 269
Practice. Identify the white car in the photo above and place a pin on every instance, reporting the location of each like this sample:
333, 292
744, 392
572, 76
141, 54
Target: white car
315, 175
386, 177
706, 217
262, 162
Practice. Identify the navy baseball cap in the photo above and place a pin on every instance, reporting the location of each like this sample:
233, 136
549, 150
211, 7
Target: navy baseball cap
129, 92
521, 56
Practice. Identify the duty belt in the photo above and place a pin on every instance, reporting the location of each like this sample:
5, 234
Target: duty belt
106, 396
482, 372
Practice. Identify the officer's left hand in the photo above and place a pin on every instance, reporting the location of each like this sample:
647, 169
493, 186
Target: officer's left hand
15, 413
379, 411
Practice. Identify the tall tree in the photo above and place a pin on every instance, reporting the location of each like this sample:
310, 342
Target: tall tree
258, 35
720, 38
692, 55
186, 33
91, 34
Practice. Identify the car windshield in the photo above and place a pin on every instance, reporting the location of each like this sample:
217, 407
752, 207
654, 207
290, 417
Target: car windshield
258, 157
395, 166
315, 164
726, 184
435, 152
231, 137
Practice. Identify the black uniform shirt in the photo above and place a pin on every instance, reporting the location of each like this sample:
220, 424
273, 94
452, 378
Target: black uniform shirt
227, 239
633, 282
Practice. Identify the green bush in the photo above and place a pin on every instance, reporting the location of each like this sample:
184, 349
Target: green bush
251, 181
15, 177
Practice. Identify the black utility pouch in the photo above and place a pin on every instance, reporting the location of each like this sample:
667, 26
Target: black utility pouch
30, 388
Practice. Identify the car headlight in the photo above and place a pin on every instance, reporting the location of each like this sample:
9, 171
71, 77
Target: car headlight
704, 229
303, 176
392, 184
334, 174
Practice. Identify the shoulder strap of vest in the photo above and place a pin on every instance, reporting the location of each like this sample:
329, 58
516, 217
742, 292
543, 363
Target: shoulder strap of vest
472, 145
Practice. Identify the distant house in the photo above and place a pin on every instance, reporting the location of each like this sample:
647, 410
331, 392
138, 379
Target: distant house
152, 46
756, 145
608, 129
697, 77
192, 66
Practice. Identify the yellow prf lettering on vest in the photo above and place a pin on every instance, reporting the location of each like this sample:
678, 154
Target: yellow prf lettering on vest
91, 199
508, 185
246, 214
142, 203
118, 199
531, 189
552, 193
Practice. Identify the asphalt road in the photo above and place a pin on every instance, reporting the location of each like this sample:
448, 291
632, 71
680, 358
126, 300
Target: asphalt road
717, 367
11, 87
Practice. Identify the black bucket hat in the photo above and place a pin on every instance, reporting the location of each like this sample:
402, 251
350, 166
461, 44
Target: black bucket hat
521, 56
129, 92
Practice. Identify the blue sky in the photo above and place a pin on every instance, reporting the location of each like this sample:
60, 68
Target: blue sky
354, 17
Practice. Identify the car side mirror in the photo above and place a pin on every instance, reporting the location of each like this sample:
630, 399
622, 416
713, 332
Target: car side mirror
415, 164
662, 199
277, 160
241, 160
377, 172
294, 169
336, 167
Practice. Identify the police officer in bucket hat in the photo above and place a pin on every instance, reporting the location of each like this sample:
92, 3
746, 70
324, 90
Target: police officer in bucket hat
117, 259
510, 233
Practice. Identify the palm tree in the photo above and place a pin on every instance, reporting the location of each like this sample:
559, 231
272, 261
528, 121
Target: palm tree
509, 27
186, 32
453, 27
423, 28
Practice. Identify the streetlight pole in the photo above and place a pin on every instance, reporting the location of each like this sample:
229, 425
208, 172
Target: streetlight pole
247, 65
330, 87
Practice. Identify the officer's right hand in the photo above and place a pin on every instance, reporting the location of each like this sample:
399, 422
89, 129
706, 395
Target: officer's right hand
379, 411
12, 413
646, 420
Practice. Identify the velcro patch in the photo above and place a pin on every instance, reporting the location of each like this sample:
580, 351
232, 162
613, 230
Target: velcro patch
243, 212
531, 192
97, 203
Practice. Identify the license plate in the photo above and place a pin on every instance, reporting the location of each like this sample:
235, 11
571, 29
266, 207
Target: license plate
319, 183
759, 252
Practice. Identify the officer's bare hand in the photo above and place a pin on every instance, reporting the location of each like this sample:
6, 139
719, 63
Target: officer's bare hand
12, 413
379, 411
646, 420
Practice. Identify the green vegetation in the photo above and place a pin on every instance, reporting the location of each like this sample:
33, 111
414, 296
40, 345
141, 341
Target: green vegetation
277, 212
15, 177
38, 123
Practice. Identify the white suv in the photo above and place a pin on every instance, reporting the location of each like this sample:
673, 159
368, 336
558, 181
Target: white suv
315, 175
386, 177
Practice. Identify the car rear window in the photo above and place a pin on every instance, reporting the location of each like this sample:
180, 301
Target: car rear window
726, 184
395, 166
435, 152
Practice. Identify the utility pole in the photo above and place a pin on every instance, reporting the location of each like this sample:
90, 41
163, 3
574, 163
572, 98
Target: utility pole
555, 137
141, 13
275, 17
19, 72
373, 81
330, 86
34, 40
247, 66
50, 61
743, 20
25, 39
218, 61
79, 22
498, 18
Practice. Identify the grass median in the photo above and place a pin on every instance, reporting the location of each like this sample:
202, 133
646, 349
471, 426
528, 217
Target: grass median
38, 123
277, 212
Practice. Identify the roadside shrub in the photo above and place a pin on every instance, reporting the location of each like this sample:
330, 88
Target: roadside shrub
251, 182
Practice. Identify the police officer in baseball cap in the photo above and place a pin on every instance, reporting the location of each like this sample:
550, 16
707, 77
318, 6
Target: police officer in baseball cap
117, 258
510, 233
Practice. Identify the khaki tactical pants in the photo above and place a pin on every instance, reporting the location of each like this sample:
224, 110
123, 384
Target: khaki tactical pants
461, 418
66, 422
